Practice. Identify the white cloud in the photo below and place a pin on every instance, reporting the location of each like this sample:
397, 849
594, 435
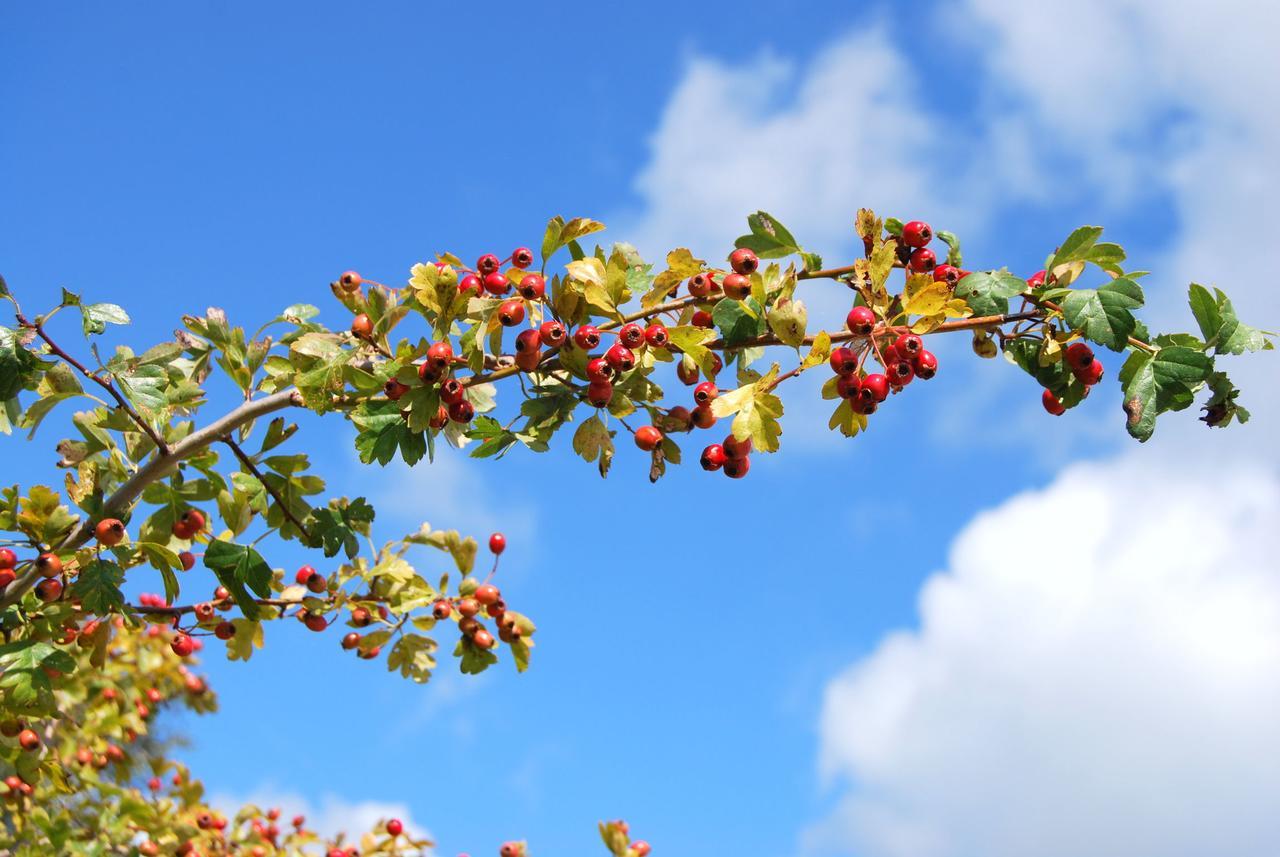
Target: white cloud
328, 815
1097, 672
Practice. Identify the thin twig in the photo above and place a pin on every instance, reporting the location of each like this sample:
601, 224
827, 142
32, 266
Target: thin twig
257, 474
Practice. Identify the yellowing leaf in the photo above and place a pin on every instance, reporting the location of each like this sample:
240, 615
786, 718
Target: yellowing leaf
788, 320
846, 420
588, 270
820, 352
925, 296
690, 339
681, 265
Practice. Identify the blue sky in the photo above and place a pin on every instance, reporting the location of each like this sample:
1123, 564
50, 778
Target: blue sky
708, 650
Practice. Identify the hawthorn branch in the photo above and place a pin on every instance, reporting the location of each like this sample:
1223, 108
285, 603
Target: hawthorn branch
845, 336
157, 468
104, 383
257, 474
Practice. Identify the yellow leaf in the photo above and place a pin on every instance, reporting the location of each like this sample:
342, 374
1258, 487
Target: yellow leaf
690, 339
846, 420
927, 323
925, 296
820, 352
787, 320
588, 269
958, 308
869, 226
880, 264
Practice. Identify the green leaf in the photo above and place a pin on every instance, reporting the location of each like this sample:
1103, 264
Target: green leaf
1103, 315
96, 317
144, 387
18, 366
954, 256
238, 567
738, 320
494, 439
335, 528
769, 239
1160, 382
97, 585
1077, 246
988, 292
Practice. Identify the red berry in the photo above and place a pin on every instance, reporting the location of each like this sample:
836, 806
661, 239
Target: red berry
48, 565
552, 333
702, 318
510, 849
350, 281
441, 609
599, 393
737, 286
8, 559
304, 574
470, 283
599, 370
908, 345
528, 340
648, 438
314, 621
844, 361
926, 365
620, 357
701, 285
705, 393
362, 326
224, 630
656, 336
28, 740
497, 543
440, 419
631, 335
948, 274
394, 827
533, 287
1036, 280
849, 386
735, 449
1091, 374
1052, 404
487, 594
487, 264
452, 391
522, 257
483, 639
736, 468
440, 355
187, 559
900, 373
641, 848
713, 457
586, 337
189, 523
861, 321
6, 577
744, 260
922, 260
511, 313
394, 389
1079, 355
109, 532
916, 233
878, 384
317, 584
461, 412
182, 645
703, 418
496, 283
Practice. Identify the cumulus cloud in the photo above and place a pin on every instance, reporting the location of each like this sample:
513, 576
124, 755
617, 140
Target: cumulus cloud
1097, 672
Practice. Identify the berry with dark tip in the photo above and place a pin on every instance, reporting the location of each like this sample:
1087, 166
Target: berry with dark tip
916, 233
394, 389
631, 335
878, 384
1079, 355
528, 340
362, 326
687, 371
599, 393
702, 318
586, 337
648, 438
599, 370
736, 468
552, 333
1091, 374
926, 365
533, 287
511, 313
620, 357
522, 257
487, 264
705, 393
713, 457
923, 260
461, 412
736, 449
703, 418
182, 645
350, 281
861, 321
48, 565
744, 261
737, 286
109, 532
948, 274
189, 523
844, 361
452, 391
655, 335
701, 285
439, 355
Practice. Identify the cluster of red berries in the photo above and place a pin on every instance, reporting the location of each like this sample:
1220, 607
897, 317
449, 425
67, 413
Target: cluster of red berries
903, 358
47, 565
477, 599
1087, 369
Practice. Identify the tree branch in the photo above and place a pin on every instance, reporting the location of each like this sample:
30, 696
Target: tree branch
257, 474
